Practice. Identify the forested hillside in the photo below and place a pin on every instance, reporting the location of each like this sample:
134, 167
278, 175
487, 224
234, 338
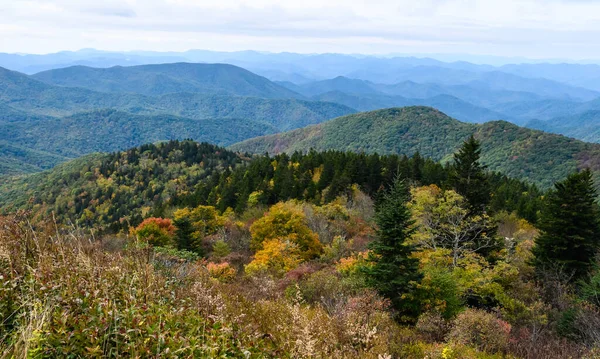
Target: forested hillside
50, 124
26, 94
187, 100
110, 130
539, 157
117, 190
192, 249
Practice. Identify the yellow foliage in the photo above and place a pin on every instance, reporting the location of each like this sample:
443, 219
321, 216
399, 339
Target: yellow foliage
254, 198
222, 272
286, 221
205, 220
276, 257
333, 211
350, 265
317, 174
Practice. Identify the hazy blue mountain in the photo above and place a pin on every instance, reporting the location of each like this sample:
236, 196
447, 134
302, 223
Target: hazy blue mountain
582, 75
583, 126
340, 83
544, 110
168, 78
23, 93
43, 124
473, 93
451, 105
306, 67
30, 63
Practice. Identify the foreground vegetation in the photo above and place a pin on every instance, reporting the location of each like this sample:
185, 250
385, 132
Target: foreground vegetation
429, 262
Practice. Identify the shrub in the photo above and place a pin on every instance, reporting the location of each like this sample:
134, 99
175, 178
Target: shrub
432, 327
156, 231
481, 330
335, 250
276, 257
220, 249
222, 272
351, 265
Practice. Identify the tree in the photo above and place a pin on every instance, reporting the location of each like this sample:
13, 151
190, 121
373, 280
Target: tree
184, 234
467, 176
193, 225
391, 269
276, 257
286, 221
444, 222
156, 231
570, 227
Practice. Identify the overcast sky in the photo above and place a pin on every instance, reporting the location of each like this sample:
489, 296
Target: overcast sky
530, 28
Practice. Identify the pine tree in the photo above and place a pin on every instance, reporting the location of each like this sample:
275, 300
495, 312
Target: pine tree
570, 227
468, 177
184, 234
392, 270
417, 167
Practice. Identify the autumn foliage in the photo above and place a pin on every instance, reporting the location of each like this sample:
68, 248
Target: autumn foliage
156, 231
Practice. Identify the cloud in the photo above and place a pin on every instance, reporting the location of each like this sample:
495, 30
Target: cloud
525, 27
107, 11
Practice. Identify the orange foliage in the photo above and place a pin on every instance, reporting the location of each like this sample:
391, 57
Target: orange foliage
222, 272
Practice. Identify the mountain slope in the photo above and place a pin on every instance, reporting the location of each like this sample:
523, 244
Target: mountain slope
40, 117
110, 130
162, 79
584, 126
120, 185
522, 153
22, 93
15, 159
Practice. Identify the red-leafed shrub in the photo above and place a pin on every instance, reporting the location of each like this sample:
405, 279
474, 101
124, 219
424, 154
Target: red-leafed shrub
156, 231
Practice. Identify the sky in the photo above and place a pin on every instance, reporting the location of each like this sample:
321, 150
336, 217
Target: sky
520, 28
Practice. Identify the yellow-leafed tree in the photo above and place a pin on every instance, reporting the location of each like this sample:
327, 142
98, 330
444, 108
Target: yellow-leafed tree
286, 222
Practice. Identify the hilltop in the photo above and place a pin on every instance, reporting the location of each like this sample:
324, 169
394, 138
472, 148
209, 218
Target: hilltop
533, 155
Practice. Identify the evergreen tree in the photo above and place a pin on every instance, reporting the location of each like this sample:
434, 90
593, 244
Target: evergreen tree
468, 177
184, 234
570, 227
417, 167
392, 270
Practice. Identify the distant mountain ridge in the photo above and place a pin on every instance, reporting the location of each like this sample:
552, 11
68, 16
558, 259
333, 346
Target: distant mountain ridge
71, 121
153, 80
224, 103
539, 157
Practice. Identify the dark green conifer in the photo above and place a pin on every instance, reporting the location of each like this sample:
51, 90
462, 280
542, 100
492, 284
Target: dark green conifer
183, 234
393, 272
570, 227
468, 177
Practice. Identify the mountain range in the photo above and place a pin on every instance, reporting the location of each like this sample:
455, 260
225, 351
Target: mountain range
522, 153
62, 113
